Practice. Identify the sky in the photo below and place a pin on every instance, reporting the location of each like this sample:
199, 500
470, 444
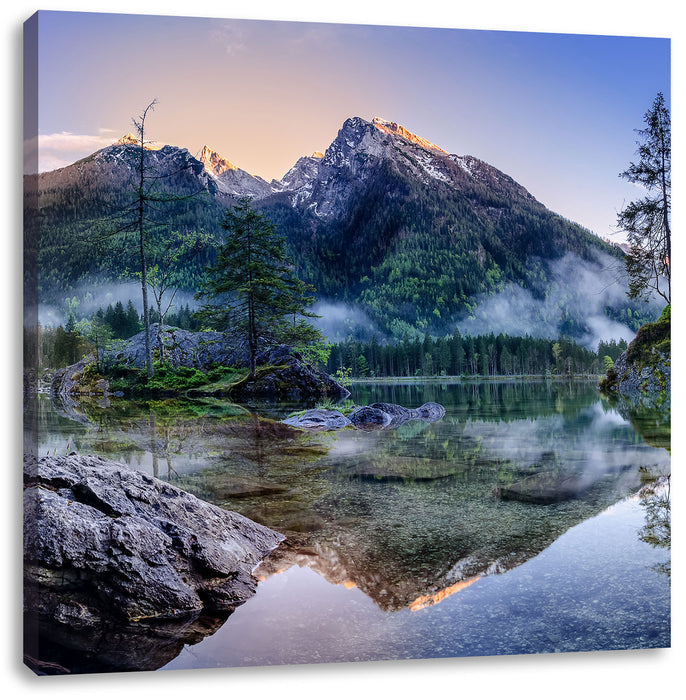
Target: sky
557, 112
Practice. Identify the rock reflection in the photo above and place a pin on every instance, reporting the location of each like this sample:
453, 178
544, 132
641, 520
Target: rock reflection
411, 514
113, 646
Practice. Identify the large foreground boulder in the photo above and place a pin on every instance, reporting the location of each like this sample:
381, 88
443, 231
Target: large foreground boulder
102, 542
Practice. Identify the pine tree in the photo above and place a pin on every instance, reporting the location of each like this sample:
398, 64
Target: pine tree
133, 324
647, 220
252, 294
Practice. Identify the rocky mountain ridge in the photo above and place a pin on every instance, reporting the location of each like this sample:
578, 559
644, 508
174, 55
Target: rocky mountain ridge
358, 143
383, 219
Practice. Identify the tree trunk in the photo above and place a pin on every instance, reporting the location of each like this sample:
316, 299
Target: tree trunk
146, 309
159, 331
141, 236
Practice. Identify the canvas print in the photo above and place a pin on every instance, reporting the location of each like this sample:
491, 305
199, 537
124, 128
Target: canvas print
342, 343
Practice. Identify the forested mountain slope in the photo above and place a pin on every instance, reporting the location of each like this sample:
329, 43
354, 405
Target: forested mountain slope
385, 221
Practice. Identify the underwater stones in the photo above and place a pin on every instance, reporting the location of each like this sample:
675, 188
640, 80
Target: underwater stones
545, 488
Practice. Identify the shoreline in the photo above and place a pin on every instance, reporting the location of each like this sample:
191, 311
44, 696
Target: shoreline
456, 379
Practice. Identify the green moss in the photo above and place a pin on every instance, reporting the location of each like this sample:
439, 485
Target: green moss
261, 373
649, 338
133, 381
609, 381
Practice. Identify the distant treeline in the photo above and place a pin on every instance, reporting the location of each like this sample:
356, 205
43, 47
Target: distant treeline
126, 322
481, 355
55, 347
452, 355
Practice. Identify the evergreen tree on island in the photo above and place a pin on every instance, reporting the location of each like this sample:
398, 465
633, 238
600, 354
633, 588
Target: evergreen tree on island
251, 292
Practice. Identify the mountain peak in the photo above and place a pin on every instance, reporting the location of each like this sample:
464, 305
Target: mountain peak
214, 163
398, 130
131, 140
127, 140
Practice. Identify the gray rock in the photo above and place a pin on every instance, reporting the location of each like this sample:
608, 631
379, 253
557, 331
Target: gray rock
545, 488
180, 348
71, 381
287, 374
399, 414
430, 412
376, 416
368, 418
644, 386
102, 541
284, 375
318, 419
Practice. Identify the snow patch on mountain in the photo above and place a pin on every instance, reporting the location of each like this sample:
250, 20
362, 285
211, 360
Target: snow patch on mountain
431, 167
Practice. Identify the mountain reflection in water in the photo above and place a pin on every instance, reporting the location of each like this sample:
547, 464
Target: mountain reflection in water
408, 516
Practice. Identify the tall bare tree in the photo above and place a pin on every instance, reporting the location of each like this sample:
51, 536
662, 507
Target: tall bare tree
144, 175
166, 259
141, 216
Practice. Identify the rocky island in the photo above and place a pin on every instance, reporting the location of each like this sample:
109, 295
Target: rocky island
204, 363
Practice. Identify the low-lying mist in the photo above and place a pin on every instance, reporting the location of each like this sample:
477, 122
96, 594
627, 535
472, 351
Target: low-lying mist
85, 301
339, 321
580, 291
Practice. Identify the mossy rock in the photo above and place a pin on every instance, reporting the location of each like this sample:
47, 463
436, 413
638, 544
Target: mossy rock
644, 368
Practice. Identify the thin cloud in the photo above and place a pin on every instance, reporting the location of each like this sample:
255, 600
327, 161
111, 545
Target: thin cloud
52, 151
229, 37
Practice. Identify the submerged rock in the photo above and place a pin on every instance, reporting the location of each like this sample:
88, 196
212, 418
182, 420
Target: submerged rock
545, 488
369, 418
430, 412
398, 414
318, 419
102, 541
376, 416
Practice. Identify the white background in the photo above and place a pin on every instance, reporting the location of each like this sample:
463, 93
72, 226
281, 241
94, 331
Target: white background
633, 674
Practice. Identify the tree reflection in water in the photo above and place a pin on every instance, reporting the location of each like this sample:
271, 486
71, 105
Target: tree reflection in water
657, 532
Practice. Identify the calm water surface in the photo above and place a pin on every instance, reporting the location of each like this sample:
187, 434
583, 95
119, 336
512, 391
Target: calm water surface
510, 526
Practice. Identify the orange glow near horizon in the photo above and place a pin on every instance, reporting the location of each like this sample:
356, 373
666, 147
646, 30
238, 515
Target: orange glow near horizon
424, 601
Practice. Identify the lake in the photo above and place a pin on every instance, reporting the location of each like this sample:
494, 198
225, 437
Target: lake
512, 525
